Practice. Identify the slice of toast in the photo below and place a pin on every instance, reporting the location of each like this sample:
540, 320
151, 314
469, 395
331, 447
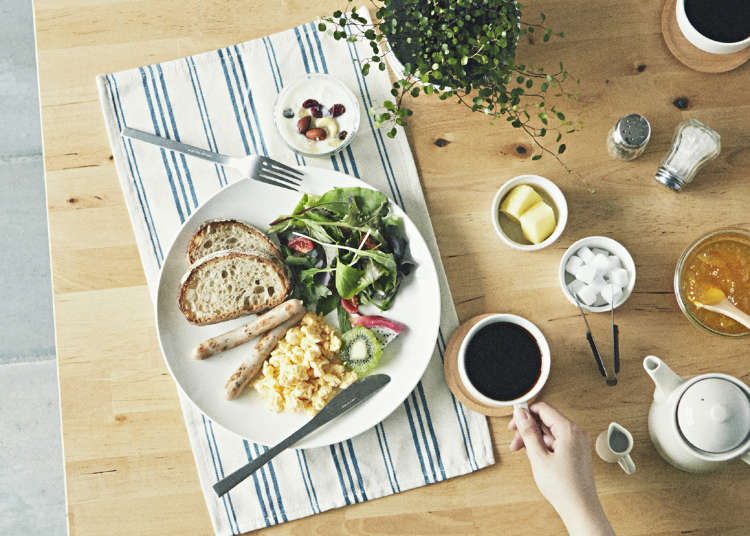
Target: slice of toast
222, 235
228, 284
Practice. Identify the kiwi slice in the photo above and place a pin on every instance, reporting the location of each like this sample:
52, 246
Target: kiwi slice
360, 350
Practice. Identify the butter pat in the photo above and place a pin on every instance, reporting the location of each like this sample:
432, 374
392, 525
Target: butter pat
519, 200
538, 222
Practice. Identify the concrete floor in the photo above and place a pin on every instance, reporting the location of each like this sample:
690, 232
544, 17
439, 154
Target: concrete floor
32, 492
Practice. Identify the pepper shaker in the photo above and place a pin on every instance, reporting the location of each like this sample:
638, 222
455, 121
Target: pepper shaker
693, 146
628, 138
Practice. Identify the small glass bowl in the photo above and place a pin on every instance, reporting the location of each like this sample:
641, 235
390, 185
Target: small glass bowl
342, 95
682, 301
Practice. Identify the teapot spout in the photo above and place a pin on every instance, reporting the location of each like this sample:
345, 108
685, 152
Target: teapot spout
664, 378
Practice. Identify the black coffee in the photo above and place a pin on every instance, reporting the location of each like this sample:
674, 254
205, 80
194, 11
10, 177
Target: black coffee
727, 21
503, 361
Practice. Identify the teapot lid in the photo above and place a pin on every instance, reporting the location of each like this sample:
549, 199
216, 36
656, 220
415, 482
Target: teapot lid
714, 415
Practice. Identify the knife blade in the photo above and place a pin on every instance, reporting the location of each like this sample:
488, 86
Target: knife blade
347, 399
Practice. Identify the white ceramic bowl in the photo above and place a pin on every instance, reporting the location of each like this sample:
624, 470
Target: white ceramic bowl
328, 90
543, 348
602, 242
542, 186
703, 42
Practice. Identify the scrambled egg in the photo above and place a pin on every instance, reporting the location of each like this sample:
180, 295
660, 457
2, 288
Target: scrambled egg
303, 371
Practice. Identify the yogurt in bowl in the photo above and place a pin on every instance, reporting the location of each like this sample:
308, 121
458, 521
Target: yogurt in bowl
317, 115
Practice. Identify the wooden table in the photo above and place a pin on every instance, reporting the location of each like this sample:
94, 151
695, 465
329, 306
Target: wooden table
128, 463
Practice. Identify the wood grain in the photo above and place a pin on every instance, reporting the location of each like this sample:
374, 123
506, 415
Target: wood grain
128, 462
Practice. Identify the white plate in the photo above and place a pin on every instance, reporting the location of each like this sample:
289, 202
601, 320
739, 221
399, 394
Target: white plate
404, 360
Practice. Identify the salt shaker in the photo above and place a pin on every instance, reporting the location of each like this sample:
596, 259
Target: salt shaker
693, 146
628, 138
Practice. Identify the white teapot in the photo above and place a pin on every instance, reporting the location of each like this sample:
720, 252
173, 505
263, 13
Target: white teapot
698, 423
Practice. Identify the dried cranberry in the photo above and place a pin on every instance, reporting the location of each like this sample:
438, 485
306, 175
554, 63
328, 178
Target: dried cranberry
316, 112
342, 135
301, 244
337, 110
310, 103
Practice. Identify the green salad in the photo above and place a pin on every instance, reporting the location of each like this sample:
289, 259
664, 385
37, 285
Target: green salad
344, 246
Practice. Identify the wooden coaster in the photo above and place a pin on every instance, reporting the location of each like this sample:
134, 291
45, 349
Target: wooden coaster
450, 369
690, 55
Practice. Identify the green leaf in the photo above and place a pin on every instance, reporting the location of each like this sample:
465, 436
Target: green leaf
536, 157
322, 27
345, 323
561, 149
365, 69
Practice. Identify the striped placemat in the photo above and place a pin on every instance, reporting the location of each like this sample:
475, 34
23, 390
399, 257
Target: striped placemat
222, 101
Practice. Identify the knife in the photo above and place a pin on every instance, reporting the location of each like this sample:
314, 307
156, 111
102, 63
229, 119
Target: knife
350, 397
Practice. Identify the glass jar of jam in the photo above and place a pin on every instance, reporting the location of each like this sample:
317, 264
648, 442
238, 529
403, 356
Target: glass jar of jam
717, 260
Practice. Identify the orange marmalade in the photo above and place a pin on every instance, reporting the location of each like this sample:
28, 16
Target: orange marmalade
722, 261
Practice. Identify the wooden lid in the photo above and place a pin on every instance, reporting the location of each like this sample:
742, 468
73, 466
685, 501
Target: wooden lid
450, 369
690, 55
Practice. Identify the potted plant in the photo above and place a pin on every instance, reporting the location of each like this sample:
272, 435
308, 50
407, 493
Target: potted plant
462, 50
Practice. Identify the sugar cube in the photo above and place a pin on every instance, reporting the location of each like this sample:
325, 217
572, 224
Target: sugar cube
586, 254
600, 251
619, 277
613, 262
598, 283
586, 273
587, 295
600, 263
611, 294
573, 265
575, 286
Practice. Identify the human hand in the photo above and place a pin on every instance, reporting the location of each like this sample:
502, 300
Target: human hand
560, 456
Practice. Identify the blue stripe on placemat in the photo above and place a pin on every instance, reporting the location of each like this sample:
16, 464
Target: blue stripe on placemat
165, 128
340, 475
157, 131
221, 473
239, 95
270, 65
146, 215
416, 441
251, 100
385, 461
176, 133
459, 409
348, 471
320, 47
256, 482
262, 472
234, 102
356, 469
205, 120
309, 478
304, 481
216, 472
275, 483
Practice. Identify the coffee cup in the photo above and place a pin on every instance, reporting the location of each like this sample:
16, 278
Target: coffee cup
504, 360
692, 32
614, 444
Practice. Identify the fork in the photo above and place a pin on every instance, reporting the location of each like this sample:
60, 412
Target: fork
259, 168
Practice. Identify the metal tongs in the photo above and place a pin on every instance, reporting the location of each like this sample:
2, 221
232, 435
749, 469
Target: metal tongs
610, 378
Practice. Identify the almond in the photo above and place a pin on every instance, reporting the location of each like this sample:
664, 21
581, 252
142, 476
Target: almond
316, 134
303, 125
